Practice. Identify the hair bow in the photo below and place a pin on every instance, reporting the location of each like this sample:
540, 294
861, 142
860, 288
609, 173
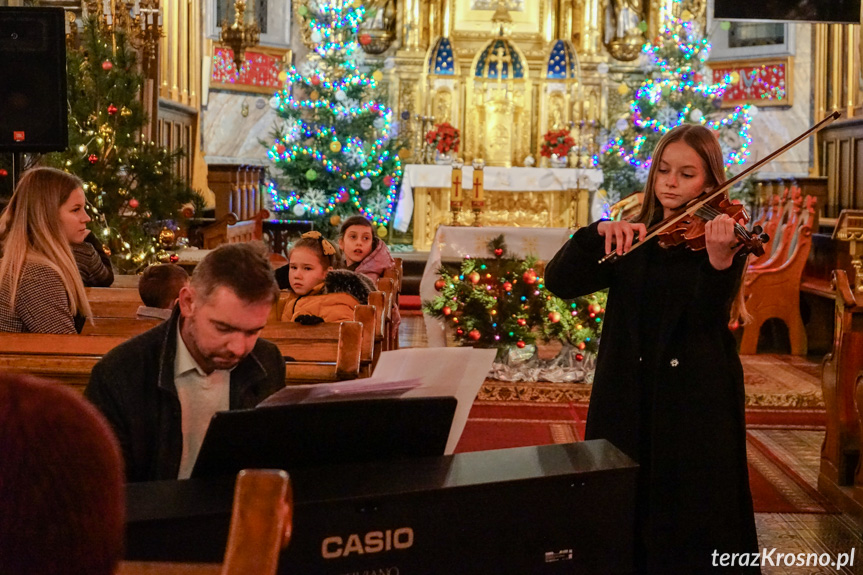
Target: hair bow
326, 246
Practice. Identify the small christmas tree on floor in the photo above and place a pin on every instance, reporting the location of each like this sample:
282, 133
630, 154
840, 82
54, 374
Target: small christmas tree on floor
335, 150
674, 92
130, 184
502, 302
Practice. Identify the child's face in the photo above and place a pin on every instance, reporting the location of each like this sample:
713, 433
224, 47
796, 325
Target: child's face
305, 271
680, 177
356, 243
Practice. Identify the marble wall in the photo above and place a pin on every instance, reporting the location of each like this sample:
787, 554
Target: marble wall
775, 126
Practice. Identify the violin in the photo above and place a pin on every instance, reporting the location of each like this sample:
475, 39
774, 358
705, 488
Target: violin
688, 226
690, 231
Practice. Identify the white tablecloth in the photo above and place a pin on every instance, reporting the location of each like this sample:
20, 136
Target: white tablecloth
457, 242
496, 179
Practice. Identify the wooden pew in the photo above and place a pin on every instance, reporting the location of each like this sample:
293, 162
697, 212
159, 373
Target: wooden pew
261, 524
390, 337
114, 302
774, 292
119, 326
65, 358
321, 353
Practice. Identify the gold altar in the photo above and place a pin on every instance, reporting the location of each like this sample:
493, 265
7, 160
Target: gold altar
505, 72
551, 209
514, 197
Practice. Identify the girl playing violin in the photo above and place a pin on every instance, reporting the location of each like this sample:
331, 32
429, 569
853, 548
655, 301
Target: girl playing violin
668, 388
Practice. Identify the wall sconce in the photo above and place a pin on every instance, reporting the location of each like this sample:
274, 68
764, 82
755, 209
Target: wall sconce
239, 36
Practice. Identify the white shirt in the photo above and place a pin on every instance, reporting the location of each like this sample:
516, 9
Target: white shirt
201, 396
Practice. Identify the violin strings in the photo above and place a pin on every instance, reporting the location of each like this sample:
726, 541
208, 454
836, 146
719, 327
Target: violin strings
710, 213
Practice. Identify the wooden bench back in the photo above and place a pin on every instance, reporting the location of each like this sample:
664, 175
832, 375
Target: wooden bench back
323, 352
119, 326
780, 206
784, 232
261, 524
66, 358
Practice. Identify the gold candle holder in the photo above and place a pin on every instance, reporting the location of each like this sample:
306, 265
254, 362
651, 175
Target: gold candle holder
478, 193
456, 198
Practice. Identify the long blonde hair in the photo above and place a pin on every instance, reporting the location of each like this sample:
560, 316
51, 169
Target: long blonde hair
706, 145
30, 230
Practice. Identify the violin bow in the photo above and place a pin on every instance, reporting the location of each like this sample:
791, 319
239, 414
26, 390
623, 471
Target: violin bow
726, 184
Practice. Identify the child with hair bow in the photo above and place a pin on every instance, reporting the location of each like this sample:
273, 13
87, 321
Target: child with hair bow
318, 291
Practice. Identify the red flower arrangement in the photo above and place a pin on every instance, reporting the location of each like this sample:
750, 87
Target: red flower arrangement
557, 142
444, 137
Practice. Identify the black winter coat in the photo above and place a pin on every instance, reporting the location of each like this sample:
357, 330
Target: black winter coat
133, 387
668, 391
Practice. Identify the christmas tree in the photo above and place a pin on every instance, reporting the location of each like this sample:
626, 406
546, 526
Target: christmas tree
131, 188
502, 302
335, 150
674, 92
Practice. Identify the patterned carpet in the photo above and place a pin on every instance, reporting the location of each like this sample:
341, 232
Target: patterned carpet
777, 486
778, 381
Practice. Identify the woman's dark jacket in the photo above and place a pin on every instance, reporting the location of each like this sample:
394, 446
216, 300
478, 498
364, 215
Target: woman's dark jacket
668, 391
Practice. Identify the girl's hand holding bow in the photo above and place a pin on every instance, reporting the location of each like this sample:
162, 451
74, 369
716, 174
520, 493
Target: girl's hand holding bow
620, 235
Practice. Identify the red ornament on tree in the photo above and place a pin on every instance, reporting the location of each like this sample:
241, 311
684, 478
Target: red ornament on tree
579, 357
280, 149
460, 331
107, 65
529, 277
3, 173
315, 81
439, 285
581, 346
498, 252
554, 317
474, 334
93, 158
521, 321
174, 258
473, 277
446, 310
519, 344
133, 203
507, 286
365, 39
388, 180
112, 109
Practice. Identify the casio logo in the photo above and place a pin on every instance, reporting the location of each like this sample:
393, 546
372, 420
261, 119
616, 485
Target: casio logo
372, 542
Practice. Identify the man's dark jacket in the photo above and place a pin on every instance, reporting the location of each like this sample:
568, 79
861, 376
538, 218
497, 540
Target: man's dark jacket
133, 387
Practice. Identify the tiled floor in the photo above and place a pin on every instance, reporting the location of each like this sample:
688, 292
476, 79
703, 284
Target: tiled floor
794, 533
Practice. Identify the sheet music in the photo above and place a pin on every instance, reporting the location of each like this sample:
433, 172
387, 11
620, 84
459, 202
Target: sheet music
411, 372
455, 371
367, 388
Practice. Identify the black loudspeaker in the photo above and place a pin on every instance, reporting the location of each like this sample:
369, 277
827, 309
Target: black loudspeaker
33, 102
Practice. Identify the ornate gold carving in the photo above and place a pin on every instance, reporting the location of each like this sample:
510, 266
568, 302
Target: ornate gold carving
622, 37
442, 107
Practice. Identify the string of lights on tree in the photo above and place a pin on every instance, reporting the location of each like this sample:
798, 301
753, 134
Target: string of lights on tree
674, 92
134, 198
336, 148
502, 302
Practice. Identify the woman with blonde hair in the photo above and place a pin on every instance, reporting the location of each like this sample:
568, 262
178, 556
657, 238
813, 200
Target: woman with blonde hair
40, 286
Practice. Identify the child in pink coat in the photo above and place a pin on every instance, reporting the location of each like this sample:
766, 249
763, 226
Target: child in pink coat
364, 252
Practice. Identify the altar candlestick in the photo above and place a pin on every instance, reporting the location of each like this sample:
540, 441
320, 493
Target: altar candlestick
457, 196
477, 201
456, 191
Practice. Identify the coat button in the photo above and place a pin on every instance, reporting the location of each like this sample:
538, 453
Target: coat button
674, 362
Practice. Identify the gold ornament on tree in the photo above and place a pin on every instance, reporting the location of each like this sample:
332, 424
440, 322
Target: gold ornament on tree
167, 237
